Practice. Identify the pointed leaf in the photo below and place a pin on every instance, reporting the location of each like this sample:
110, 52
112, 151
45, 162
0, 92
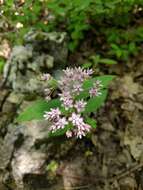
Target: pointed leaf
96, 102
105, 80
108, 61
37, 109
91, 122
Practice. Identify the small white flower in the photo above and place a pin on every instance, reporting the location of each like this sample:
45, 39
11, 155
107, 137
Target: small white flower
60, 124
77, 88
68, 103
47, 91
94, 92
69, 134
80, 105
53, 114
76, 119
89, 71
98, 84
19, 25
80, 134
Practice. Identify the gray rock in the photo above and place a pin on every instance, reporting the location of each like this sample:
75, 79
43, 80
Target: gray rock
53, 43
27, 159
41, 53
26, 162
19, 151
8, 144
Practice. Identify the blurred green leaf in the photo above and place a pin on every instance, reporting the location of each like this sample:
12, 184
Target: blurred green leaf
2, 62
52, 166
10, 2
86, 65
108, 61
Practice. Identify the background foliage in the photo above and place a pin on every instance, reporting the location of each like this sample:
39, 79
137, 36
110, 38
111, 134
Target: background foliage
109, 20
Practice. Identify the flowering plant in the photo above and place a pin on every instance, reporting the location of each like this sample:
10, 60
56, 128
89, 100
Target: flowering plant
79, 95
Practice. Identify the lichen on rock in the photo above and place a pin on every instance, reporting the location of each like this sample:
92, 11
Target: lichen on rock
41, 53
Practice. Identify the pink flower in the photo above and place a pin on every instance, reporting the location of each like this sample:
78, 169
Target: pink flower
54, 114
89, 72
67, 100
69, 73
82, 130
73, 77
65, 95
69, 134
59, 124
94, 92
86, 127
98, 84
76, 119
80, 105
68, 103
77, 88
79, 133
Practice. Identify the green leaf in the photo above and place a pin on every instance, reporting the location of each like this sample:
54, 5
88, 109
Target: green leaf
82, 95
10, 3
82, 5
96, 102
1, 65
105, 80
108, 61
37, 109
91, 122
72, 45
87, 65
56, 8
95, 59
52, 166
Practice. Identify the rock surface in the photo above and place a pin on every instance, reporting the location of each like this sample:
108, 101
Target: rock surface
42, 52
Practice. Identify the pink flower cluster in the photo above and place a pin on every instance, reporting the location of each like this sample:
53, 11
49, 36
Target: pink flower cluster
70, 85
80, 129
73, 78
57, 121
60, 122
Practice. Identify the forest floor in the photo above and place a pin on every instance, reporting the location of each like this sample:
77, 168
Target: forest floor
112, 159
